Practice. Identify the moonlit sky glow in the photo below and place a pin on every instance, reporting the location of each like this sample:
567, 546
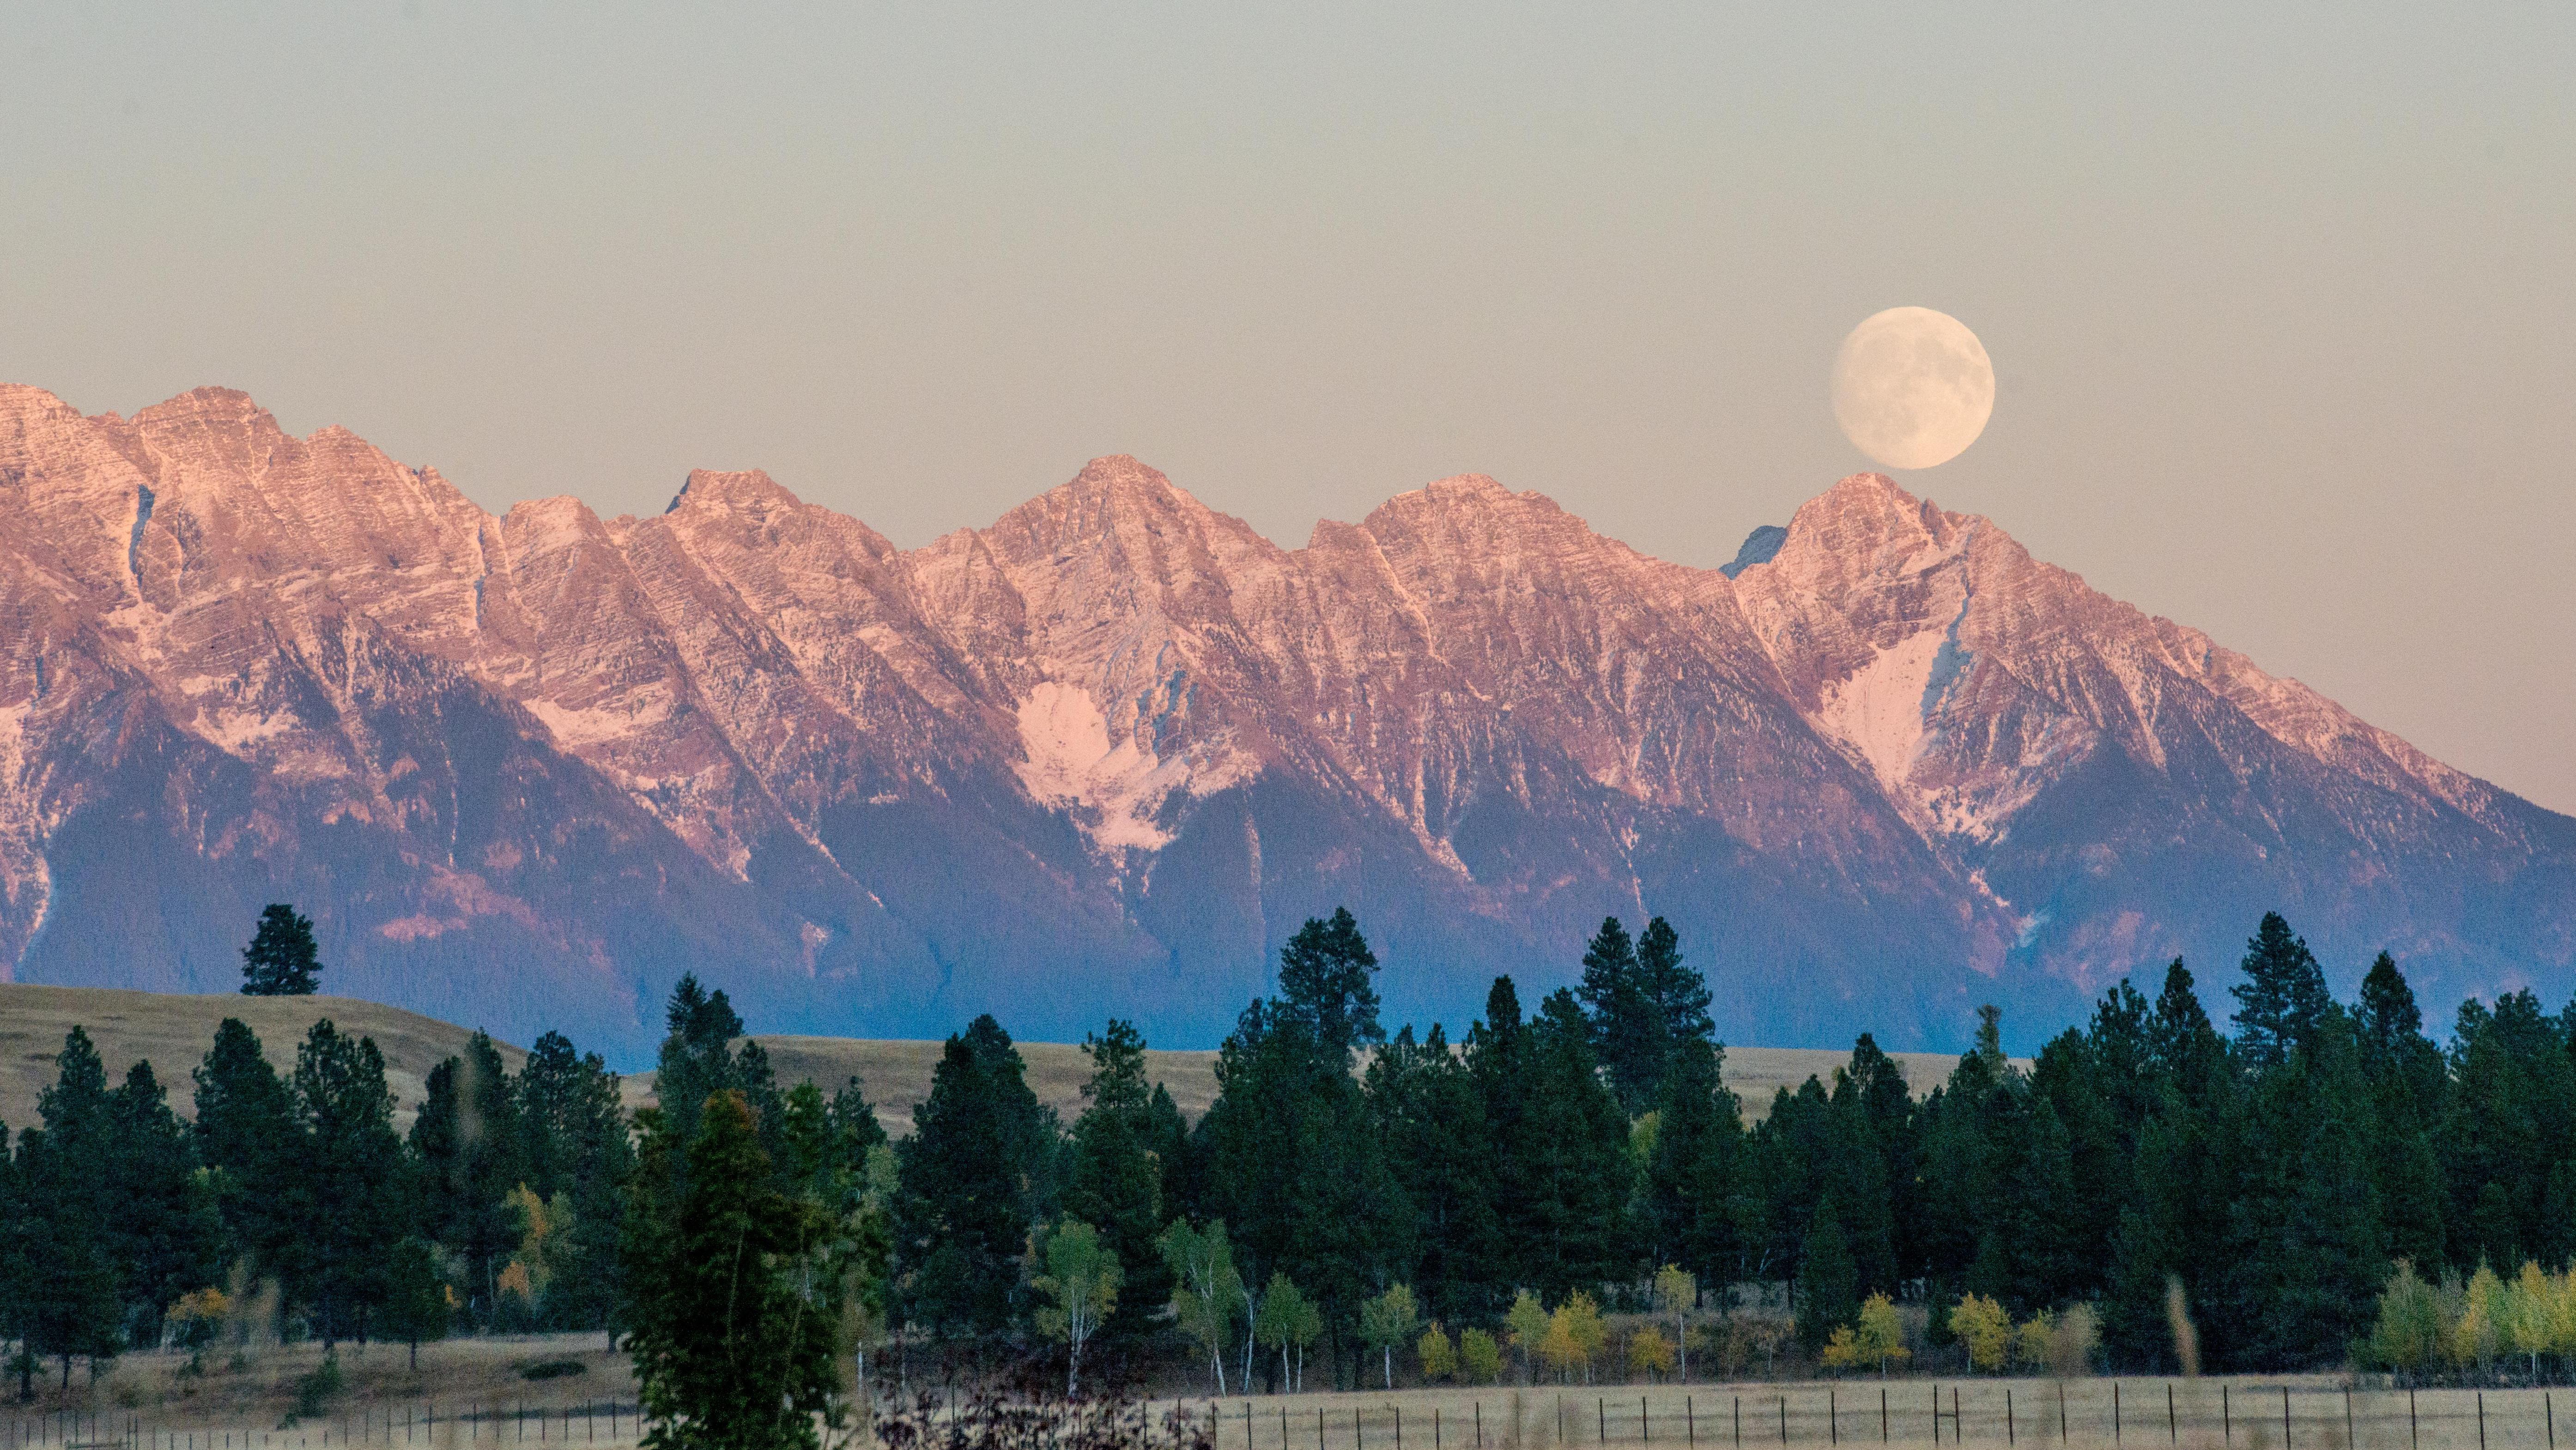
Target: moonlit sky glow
2279, 296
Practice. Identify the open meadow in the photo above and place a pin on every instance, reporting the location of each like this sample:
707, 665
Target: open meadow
479, 1391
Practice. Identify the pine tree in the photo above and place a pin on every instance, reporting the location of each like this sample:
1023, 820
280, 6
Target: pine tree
1114, 1181
1680, 995
1431, 1121
2283, 999
1694, 1176
1324, 983
575, 1147
2309, 1253
2407, 1082
1828, 1283
416, 1303
733, 1334
164, 1224
281, 960
1625, 1022
469, 1149
71, 1305
1572, 1160
972, 1176
697, 1060
248, 1138
352, 1180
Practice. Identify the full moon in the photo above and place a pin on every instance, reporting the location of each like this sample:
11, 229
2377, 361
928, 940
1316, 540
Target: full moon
1913, 387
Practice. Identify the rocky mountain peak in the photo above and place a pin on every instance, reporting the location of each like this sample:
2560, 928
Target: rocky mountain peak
1104, 755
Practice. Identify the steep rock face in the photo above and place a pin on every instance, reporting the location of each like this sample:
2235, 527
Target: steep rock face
1103, 756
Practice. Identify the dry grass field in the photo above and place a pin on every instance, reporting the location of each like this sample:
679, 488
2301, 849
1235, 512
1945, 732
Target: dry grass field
470, 1392
175, 1031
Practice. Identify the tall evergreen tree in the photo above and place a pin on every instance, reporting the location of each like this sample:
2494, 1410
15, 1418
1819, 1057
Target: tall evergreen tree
166, 1229
1625, 1021
1114, 1181
1573, 1161
577, 1154
2309, 1259
2407, 1082
733, 1329
351, 1199
248, 1138
1696, 1194
972, 1174
697, 1058
1680, 995
281, 960
2511, 1123
1828, 1284
1431, 1120
2283, 999
72, 1290
469, 1150
1325, 974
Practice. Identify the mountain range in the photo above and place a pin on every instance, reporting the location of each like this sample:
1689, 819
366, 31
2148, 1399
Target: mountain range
1104, 756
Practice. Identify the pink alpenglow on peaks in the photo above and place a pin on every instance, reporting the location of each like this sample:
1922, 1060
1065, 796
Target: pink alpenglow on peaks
1104, 755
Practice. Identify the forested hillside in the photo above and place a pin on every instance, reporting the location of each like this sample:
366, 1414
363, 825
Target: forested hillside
1574, 1154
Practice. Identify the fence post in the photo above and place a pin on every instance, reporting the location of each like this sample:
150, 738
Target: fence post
1784, 1421
2061, 1411
2482, 1420
2226, 1417
1690, 1422
1882, 1414
1833, 1419
2546, 1409
2008, 1418
2285, 1417
2115, 1412
2410, 1417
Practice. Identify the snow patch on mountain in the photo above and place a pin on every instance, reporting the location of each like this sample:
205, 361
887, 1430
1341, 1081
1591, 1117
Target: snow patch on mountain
1116, 791
1880, 708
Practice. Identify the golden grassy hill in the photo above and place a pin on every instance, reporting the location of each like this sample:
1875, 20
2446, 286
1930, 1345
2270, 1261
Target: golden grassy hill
175, 1032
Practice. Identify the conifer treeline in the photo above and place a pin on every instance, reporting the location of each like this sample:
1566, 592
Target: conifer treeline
1347, 1189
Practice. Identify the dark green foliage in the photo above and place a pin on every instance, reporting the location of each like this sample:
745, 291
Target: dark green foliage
1295, 1170
248, 1139
1828, 1284
734, 1342
1626, 1027
281, 960
165, 1230
1431, 1121
1697, 1197
415, 1306
2274, 1179
2283, 999
1324, 973
1571, 1160
71, 1305
1114, 1177
469, 1148
974, 1178
346, 1193
576, 1151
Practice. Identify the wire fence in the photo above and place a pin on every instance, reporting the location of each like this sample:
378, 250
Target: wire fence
2254, 1415
2203, 1414
607, 1423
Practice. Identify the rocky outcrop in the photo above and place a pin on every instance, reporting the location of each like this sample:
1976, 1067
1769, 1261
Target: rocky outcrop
1103, 756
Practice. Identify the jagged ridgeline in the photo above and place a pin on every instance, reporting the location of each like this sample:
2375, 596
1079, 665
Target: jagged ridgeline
1105, 755
2321, 1184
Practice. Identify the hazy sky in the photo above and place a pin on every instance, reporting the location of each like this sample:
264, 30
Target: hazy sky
2282, 299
